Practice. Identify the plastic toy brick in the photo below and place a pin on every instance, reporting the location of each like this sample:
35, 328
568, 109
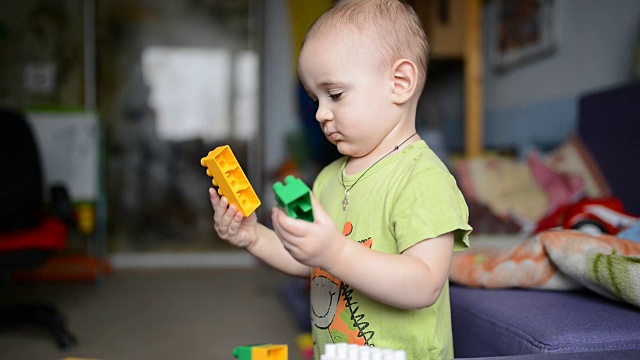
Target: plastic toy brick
261, 352
344, 351
231, 181
294, 197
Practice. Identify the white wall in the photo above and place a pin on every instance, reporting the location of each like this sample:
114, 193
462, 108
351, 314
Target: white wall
536, 103
596, 44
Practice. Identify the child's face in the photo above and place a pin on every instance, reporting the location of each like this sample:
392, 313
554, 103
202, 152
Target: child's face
352, 90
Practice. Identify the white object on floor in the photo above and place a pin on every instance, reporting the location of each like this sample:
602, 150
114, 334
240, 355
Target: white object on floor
344, 351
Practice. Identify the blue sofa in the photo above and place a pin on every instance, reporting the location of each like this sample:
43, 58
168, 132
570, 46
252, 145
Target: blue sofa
576, 324
488, 323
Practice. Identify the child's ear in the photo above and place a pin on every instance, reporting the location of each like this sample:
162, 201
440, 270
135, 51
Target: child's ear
405, 78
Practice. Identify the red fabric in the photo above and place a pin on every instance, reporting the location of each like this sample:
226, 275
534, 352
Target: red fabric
50, 235
562, 189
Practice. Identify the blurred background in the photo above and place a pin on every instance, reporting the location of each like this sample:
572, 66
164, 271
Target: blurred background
126, 96
161, 83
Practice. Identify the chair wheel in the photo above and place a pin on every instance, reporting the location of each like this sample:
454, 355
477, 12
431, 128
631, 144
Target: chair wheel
65, 341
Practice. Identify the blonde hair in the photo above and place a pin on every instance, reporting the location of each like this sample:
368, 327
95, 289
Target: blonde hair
393, 24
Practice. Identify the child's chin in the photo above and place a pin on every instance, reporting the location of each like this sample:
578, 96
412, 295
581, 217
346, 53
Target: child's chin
341, 148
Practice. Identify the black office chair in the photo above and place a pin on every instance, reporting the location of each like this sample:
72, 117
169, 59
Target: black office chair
30, 232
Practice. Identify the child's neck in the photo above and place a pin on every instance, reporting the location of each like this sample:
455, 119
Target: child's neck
355, 165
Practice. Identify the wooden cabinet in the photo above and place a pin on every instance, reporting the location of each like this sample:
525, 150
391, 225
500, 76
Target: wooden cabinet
444, 24
455, 33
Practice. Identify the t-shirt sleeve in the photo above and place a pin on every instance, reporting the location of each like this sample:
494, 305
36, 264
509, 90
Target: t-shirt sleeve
430, 205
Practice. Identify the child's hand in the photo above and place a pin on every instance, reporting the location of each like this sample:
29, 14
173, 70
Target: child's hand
316, 244
229, 223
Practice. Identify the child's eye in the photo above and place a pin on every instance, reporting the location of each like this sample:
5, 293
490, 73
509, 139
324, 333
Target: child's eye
336, 96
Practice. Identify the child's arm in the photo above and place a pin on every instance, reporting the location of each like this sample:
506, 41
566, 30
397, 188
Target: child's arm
411, 280
232, 227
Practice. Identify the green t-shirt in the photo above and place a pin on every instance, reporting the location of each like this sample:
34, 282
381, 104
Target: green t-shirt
404, 199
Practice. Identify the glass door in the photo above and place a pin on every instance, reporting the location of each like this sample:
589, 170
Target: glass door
176, 79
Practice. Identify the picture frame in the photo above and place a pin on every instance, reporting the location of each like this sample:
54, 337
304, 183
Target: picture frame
525, 31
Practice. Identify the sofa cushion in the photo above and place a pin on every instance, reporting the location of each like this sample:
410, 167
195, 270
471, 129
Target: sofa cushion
491, 322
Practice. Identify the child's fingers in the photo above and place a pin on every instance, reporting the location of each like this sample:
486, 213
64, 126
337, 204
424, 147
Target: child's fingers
285, 237
288, 225
226, 212
222, 210
276, 218
227, 226
214, 197
235, 223
220, 203
318, 211
315, 204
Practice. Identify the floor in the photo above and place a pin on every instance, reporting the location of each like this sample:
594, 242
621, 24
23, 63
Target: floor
138, 314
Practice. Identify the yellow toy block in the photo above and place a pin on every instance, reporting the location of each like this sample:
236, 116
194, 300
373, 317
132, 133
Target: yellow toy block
231, 181
270, 352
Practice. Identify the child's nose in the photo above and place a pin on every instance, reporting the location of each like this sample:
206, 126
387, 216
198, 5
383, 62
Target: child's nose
323, 114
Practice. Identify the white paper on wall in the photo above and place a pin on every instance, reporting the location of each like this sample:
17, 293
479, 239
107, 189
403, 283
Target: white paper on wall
68, 143
190, 91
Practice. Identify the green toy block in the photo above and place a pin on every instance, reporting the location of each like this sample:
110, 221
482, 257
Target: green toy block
243, 352
294, 197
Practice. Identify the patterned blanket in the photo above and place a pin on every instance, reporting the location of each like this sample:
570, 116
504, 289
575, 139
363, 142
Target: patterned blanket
556, 260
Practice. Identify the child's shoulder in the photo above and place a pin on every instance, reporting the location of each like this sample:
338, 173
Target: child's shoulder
422, 164
421, 157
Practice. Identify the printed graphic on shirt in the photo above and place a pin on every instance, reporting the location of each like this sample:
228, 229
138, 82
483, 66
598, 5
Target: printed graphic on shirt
333, 308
